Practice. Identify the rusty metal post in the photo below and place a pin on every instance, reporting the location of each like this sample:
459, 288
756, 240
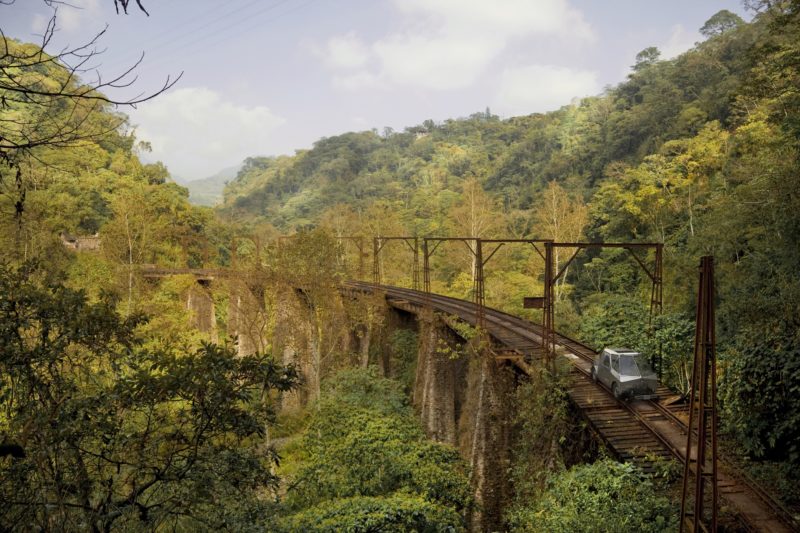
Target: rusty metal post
478, 287
376, 266
360, 246
415, 272
548, 316
426, 267
701, 458
656, 302
657, 292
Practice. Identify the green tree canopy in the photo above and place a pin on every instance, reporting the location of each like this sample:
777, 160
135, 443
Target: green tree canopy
109, 435
720, 22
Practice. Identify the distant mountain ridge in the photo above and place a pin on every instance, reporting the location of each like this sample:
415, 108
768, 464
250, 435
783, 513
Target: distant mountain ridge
208, 191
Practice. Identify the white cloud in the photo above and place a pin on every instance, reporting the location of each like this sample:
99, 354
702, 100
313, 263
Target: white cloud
440, 62
504, 18
448, 44
358, 80
346, 51
70, 16
679, 41
195, 132
539, 88
39, 23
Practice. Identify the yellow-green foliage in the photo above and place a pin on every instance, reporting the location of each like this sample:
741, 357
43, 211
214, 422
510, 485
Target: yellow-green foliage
596, 498
363, 514
364, 453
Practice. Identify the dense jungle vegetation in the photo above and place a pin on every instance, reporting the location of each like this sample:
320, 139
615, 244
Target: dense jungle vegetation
699, 152
116, 415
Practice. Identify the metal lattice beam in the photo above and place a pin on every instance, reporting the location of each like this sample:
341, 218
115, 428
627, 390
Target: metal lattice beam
377, 245
700, 495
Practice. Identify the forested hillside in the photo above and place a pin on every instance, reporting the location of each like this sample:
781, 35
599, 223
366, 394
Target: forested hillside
513, 159
699, 152
118, 411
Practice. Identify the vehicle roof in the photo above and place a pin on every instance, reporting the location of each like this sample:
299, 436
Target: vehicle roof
622, 351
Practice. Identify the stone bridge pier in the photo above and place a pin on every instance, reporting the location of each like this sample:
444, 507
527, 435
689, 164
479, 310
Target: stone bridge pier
247, 317
200, 304
464, 398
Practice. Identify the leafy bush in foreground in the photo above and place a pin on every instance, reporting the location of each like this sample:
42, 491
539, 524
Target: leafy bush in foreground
604, 496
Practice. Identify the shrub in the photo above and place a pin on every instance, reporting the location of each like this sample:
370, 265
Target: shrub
604, 496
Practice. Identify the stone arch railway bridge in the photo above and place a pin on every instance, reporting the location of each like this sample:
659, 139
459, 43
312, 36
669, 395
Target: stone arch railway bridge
639, 431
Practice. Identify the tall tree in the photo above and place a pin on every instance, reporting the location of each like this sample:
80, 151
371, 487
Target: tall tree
720, 22
563, 218
130, 237
476, 215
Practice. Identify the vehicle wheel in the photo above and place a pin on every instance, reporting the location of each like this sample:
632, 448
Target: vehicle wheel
615, 391
594, 375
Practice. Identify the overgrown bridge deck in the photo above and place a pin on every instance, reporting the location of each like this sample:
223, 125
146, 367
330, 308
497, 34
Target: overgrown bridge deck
639, 431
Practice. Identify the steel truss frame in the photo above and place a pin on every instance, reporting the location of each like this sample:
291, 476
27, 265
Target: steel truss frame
377, 245
358, 242
701, 453
552, 277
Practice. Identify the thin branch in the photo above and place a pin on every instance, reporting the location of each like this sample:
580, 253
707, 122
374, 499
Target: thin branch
124, 5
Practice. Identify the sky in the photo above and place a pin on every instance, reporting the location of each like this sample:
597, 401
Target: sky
268, 77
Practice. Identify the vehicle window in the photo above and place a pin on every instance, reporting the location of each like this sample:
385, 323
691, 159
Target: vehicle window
643, 364
606, 361
628, 366
615, 363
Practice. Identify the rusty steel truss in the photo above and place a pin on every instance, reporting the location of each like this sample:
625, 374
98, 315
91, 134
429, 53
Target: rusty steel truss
358, 242
546, 302
700, 469
482, 251
377, 245
495, 245
551, 278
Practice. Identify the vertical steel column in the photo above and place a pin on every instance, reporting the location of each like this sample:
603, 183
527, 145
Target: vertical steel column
657, 292
548, 335
478, 287
360, 246
426, 267
376, 267
415, 272
656, 303
426, 272
702, 413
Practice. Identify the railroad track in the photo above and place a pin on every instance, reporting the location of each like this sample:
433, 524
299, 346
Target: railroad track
641, 431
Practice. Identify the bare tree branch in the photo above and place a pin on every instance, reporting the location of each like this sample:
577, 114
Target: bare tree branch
42, 100
46, 100
124, 5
